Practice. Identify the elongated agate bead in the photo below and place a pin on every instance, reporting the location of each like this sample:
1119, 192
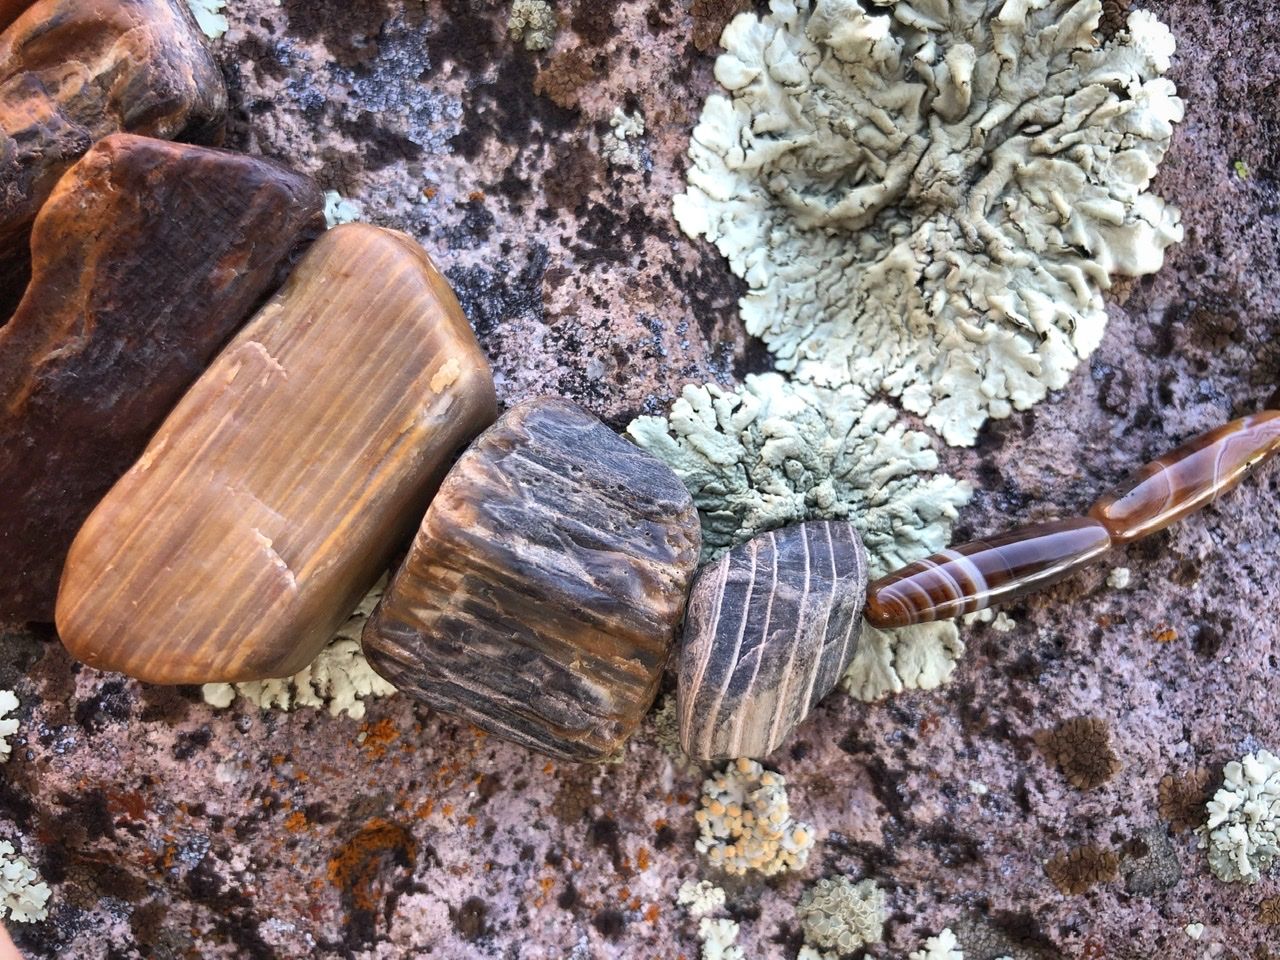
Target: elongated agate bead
978, 574
1188, 478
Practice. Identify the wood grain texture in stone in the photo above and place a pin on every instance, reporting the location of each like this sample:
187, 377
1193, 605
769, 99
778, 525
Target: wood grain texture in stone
543, 591
149, 256
75, 71
770, 628
978, 574
284, 482
1189, 477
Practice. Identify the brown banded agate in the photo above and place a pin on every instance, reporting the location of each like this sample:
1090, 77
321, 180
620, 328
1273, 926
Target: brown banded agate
286, 479
978, 574
1188, 478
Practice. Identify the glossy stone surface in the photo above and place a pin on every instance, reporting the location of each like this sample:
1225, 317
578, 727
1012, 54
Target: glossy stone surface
74, 71
148, 256
981, 573
771, 627
281, 486
1188, 478
542, 594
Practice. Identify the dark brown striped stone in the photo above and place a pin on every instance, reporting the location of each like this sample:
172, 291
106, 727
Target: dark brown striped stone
149, 255
10, 10
1188, 478
771, 627
75, 71
542, 594
979, 574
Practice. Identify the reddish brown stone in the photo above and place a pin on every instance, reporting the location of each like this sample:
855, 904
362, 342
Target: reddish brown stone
75, 71
148, 256
11, 10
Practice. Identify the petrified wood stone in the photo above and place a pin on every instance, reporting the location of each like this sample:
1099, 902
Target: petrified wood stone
148, 256
10, 10
544, 588
771, 627
74, 71
281, 486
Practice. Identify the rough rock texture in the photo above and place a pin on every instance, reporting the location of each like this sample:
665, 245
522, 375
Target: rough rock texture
165, 827
280, 487
148, 257
542, 594
771, 627
74, 71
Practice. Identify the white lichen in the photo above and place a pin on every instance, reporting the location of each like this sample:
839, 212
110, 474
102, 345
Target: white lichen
622, 146
999, 621
942, 947
1242, 832
745, 823
339, 209
8, 724
840, 916
1119, 578
534, 22
23, 896
929, 198
719, 939
339, 679
210, 17
921, 657
700, 898
1194, 930
775, 452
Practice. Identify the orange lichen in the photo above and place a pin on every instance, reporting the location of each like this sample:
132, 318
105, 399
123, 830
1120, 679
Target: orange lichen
296, 822
1165, 635
651, 913
1081, 749
1182, 797
358, 868
1081, 868
642, 859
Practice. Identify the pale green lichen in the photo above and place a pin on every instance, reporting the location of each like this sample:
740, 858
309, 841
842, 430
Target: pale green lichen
534, 22
920, 657
929, 198
775, 452
719, 939
745, 824
339, 679
621, 147
1242, 832
839, 916
700, 898
23, 896
8, 724
339, 209
942, 947
210, 17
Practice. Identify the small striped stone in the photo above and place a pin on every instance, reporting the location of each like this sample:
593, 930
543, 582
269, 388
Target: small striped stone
285, 481
771, 627
541, 597
981, 573
1188, 478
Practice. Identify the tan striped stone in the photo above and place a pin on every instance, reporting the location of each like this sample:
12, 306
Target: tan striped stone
280, 487
770, 628
544, 589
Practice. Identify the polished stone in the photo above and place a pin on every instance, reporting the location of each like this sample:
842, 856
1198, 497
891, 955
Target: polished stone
542, 594
75, 71
771, 627
149, 255
288, 477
